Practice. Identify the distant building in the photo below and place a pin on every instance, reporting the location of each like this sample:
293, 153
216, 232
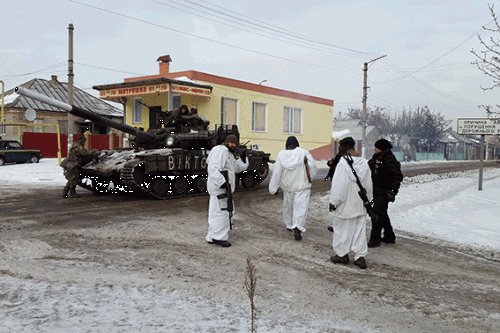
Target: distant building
345, 128
265, 116
16, 105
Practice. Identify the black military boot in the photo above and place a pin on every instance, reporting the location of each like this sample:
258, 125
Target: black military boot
72, 193
389, 239
360, 262
296, 234
340, 260
65, 192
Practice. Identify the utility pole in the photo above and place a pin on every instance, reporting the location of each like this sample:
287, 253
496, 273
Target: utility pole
365, 96
71, 123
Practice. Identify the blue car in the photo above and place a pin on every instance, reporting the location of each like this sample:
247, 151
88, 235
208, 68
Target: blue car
13, 152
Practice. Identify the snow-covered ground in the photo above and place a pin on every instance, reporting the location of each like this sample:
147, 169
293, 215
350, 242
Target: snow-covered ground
447, 206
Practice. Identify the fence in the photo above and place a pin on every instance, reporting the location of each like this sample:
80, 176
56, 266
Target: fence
407, 155
47, 142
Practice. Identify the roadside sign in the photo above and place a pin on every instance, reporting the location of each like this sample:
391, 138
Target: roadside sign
478, 126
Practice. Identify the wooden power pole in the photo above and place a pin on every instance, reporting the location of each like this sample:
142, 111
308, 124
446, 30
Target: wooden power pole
365, 96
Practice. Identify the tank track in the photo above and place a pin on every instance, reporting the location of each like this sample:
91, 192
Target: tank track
128, 180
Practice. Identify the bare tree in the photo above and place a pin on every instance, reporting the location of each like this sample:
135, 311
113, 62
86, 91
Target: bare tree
377, 117
420, 127
488, 59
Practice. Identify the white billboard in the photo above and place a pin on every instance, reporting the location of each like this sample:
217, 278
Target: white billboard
477, 126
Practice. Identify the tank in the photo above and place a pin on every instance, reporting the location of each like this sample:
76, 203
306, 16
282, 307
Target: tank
162, 163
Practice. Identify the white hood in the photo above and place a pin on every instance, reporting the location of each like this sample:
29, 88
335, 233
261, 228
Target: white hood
359, 166
292, 159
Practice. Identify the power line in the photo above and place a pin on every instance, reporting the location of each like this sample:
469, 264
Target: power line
441, 57
263, 26
214, 41
310, 45
35, 72
108, 69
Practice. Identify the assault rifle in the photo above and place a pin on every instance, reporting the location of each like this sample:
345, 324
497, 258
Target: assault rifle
307, 169
362, 190
229, 196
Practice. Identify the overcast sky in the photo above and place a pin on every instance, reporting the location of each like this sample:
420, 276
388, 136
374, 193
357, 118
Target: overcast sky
317, 47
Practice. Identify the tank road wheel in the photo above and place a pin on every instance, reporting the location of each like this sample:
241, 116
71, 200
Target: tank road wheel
200, 184
263, 170
160, 186
180, 185
247, 180
139, 174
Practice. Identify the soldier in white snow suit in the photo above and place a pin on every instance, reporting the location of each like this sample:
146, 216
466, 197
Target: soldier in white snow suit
349, 222
293, 172
221, 158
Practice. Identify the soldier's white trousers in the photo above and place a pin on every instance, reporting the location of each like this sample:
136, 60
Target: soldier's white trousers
295, 205
218, 219
350, 235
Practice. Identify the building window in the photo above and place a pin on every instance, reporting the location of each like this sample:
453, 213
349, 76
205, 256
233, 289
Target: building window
258, 117
137, 111
38, 129
229, 111
63, 126
177, 102
292, 120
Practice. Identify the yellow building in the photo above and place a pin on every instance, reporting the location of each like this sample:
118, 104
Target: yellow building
265, 116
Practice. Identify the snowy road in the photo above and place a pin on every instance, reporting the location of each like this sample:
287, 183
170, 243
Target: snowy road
122, 264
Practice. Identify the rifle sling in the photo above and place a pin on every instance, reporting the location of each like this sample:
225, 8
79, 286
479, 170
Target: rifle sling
350, 162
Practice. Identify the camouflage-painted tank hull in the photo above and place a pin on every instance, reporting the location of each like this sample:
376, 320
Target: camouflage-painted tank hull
162, 173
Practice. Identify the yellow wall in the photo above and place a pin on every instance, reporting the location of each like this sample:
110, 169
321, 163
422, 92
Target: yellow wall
316, 118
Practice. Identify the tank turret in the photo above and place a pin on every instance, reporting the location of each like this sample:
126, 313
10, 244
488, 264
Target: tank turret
183, 131
162, 163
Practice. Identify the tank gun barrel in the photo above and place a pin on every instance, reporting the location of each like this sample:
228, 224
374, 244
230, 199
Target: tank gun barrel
77, 111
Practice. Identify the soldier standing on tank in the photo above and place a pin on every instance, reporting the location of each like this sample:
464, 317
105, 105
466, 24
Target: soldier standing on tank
220, 159
76, 158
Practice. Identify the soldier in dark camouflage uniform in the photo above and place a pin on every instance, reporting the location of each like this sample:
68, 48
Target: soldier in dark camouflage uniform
77, 155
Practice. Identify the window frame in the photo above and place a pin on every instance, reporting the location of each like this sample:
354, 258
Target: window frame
135, 112
291, 125
37, 129
265, 117
176, 101
223, 113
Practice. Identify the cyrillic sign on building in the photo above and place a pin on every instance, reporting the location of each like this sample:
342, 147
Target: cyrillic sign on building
153, 89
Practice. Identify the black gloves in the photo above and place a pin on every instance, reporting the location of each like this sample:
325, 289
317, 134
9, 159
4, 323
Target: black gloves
332, 207
243, 156
224, 186
277, 191
391, 196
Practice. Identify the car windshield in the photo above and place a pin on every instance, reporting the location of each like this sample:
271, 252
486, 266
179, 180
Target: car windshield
15, 145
